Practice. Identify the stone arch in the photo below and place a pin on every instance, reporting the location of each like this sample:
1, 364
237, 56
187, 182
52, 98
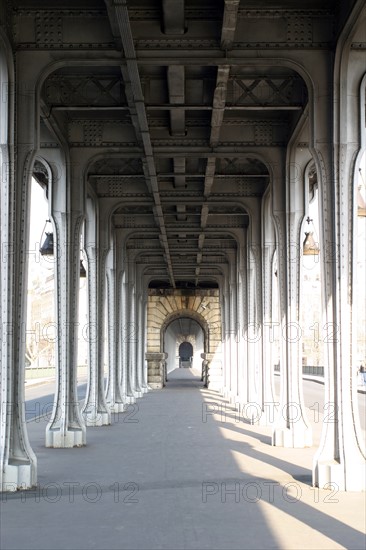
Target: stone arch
180, 334
167, 305
186, 313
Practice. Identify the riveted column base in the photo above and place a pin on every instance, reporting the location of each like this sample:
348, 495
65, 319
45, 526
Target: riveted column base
117, 407
268, 415
332, 475
59, 439
94, 417
18, 475
292, 437
130, 399
233, 398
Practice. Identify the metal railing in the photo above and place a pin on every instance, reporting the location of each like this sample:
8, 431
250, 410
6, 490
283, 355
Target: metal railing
306, 369
314, 371
49, 372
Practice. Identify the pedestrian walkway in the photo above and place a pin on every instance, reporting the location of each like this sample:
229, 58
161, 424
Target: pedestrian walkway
178, 470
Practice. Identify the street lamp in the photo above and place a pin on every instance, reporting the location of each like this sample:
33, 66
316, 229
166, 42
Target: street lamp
310, 246
47, 247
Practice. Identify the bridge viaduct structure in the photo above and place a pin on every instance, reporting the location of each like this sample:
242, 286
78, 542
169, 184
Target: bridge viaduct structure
183, 142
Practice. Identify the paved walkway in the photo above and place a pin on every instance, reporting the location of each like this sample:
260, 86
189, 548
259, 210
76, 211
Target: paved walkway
167, 474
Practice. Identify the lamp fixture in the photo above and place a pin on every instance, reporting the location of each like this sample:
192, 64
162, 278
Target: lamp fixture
47, 247
82, 270
310, 246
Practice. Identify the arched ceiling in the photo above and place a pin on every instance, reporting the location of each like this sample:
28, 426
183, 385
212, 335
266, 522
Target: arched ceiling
180, 109
185, 327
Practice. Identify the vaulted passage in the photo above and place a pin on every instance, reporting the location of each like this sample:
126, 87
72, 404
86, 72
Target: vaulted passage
202, 166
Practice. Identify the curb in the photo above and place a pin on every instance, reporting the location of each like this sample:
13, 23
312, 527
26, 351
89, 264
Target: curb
37, 382
319, 380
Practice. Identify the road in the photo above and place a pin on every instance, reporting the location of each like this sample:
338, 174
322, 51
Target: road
314, 400
39, 400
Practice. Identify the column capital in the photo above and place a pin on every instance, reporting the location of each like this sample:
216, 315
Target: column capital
155, 356
207, 356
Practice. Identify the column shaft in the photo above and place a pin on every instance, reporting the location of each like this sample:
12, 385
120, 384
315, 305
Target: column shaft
66, 427
291, 428
340, 458
114, 396
95, 409
18, 464
269, 408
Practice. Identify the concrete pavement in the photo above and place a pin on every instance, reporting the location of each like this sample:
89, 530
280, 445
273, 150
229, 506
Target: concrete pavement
179, 470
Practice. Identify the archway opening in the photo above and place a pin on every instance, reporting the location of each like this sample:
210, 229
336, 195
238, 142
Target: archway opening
40, 336
359, 287
184, 342
185, 354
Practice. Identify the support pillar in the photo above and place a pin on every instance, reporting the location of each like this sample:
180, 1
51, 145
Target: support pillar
133, 342
233, 329
340, 459
18, 464
241, 348
95, 410
207, 358
114, 396
243, 321
291, 428
156, 369
126, 328
268, 407
226, 346
253, 332
124, 321
144, 340
66, 427
140, 345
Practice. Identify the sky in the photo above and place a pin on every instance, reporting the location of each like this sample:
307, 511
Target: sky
39, 215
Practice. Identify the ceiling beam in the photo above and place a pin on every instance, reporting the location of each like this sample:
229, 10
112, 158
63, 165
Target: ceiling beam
176, 85
272, 107
218, 110
219, 101
173, 17
132, 70
180, 107
229, 23
174, 174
